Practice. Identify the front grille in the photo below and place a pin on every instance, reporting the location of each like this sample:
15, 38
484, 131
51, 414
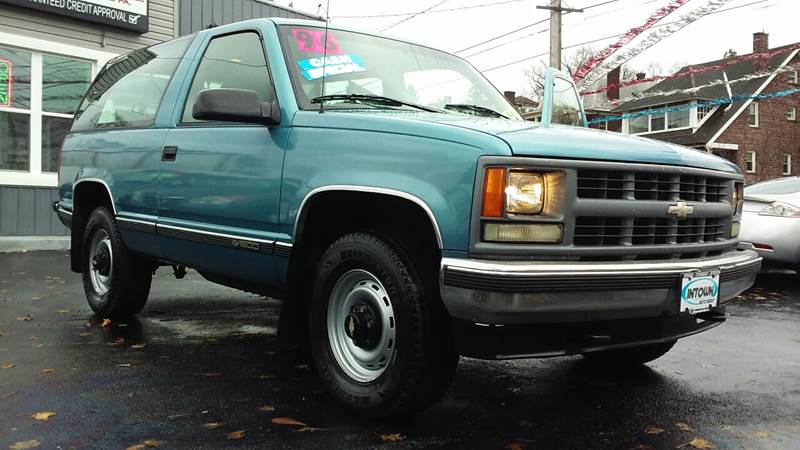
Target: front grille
629, 185
611, 231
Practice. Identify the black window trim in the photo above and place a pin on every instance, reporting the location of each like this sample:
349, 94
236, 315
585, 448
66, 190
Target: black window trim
160, 101
218, 124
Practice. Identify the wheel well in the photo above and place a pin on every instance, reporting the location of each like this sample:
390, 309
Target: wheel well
329, 215
87, 196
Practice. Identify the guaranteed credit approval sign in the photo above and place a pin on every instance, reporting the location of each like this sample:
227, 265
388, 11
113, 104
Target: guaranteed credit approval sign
128, 14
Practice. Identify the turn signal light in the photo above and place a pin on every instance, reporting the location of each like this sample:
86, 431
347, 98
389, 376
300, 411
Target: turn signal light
494, 183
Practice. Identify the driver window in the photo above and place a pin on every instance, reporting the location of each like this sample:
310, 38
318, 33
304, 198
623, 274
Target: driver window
235, 61
566, 109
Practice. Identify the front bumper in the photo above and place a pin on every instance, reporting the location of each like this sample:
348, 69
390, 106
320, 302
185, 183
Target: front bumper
512, 309
515, 292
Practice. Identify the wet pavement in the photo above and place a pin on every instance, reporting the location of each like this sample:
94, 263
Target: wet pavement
202, 368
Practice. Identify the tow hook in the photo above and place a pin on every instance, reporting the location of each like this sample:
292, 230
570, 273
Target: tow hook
179, 271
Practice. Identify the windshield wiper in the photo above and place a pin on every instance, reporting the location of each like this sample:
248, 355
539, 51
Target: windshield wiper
482, 110
367, 99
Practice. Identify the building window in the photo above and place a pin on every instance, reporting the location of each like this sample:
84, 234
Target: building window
703, 111
39, 93
750, 162
752, 120
791, 114
787, 164
660, 121
794, 77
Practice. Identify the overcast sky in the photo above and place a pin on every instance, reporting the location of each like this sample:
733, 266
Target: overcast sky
704, 40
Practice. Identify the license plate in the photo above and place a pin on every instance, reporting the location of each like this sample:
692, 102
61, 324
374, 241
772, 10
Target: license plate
699, 291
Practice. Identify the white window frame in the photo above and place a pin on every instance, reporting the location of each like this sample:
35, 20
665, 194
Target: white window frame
692, 122
753, 107
747, 169
787, 164
37, 48
794, 76
791, 114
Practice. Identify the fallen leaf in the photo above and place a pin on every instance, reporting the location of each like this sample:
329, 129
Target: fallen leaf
287, 421
211, 425
234, 435
150, 443
118, 341
105, 323
212, 374
63, 311
761, 434
124, 365
4, 333
48, 370
701, 444
24, 445
43, 415
8, 365
309, 429
395, 437
653, 430
84, 333
683, 426
26, 318
137, 346
267, 408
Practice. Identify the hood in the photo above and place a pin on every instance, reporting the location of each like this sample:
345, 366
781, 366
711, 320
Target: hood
522, 138
559, 141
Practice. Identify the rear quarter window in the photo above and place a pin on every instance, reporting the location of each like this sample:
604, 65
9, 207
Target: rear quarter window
128, 91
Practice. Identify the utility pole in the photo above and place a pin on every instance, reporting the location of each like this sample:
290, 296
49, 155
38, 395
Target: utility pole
556, 10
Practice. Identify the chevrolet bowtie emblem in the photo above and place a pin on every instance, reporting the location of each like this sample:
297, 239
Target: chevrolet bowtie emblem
680, 210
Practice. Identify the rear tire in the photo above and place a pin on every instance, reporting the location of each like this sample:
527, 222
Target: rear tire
405, 360
116, 281
632, 356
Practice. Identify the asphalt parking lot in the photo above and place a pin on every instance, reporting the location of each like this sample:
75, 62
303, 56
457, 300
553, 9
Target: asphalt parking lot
202, 368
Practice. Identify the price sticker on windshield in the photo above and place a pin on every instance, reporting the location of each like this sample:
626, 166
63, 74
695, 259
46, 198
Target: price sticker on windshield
314, 68
314, 41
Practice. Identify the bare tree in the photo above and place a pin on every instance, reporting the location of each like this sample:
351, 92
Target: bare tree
570, 63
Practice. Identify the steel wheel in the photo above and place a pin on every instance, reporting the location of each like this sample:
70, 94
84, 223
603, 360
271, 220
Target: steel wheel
101, 262
361, 327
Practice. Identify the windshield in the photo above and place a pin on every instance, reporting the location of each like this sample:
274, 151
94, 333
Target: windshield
370, 65
775, 187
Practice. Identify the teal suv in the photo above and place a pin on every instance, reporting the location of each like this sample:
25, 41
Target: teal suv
397, 204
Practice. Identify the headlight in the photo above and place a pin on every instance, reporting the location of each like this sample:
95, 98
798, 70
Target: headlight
512, 191
780, 209
524, 193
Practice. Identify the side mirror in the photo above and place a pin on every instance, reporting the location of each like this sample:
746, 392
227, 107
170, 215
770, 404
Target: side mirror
235, 105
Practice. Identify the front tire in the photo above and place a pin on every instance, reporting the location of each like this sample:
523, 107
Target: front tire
632, 356
379, 336
115, 280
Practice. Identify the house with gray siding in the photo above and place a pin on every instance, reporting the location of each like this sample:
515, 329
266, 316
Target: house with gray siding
49, 54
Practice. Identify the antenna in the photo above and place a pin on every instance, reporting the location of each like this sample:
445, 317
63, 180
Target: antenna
325, 55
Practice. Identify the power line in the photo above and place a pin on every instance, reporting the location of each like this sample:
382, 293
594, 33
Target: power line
412, 16
613, 36
460, 8
526, 27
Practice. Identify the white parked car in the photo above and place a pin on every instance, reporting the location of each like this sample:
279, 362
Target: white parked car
771, 221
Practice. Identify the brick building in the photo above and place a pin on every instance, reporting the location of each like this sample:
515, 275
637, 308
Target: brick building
762, 137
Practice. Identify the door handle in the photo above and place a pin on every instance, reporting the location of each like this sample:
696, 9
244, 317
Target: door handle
169, 153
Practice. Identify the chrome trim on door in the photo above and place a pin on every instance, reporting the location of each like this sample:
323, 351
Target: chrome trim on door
374, 190
213, 238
